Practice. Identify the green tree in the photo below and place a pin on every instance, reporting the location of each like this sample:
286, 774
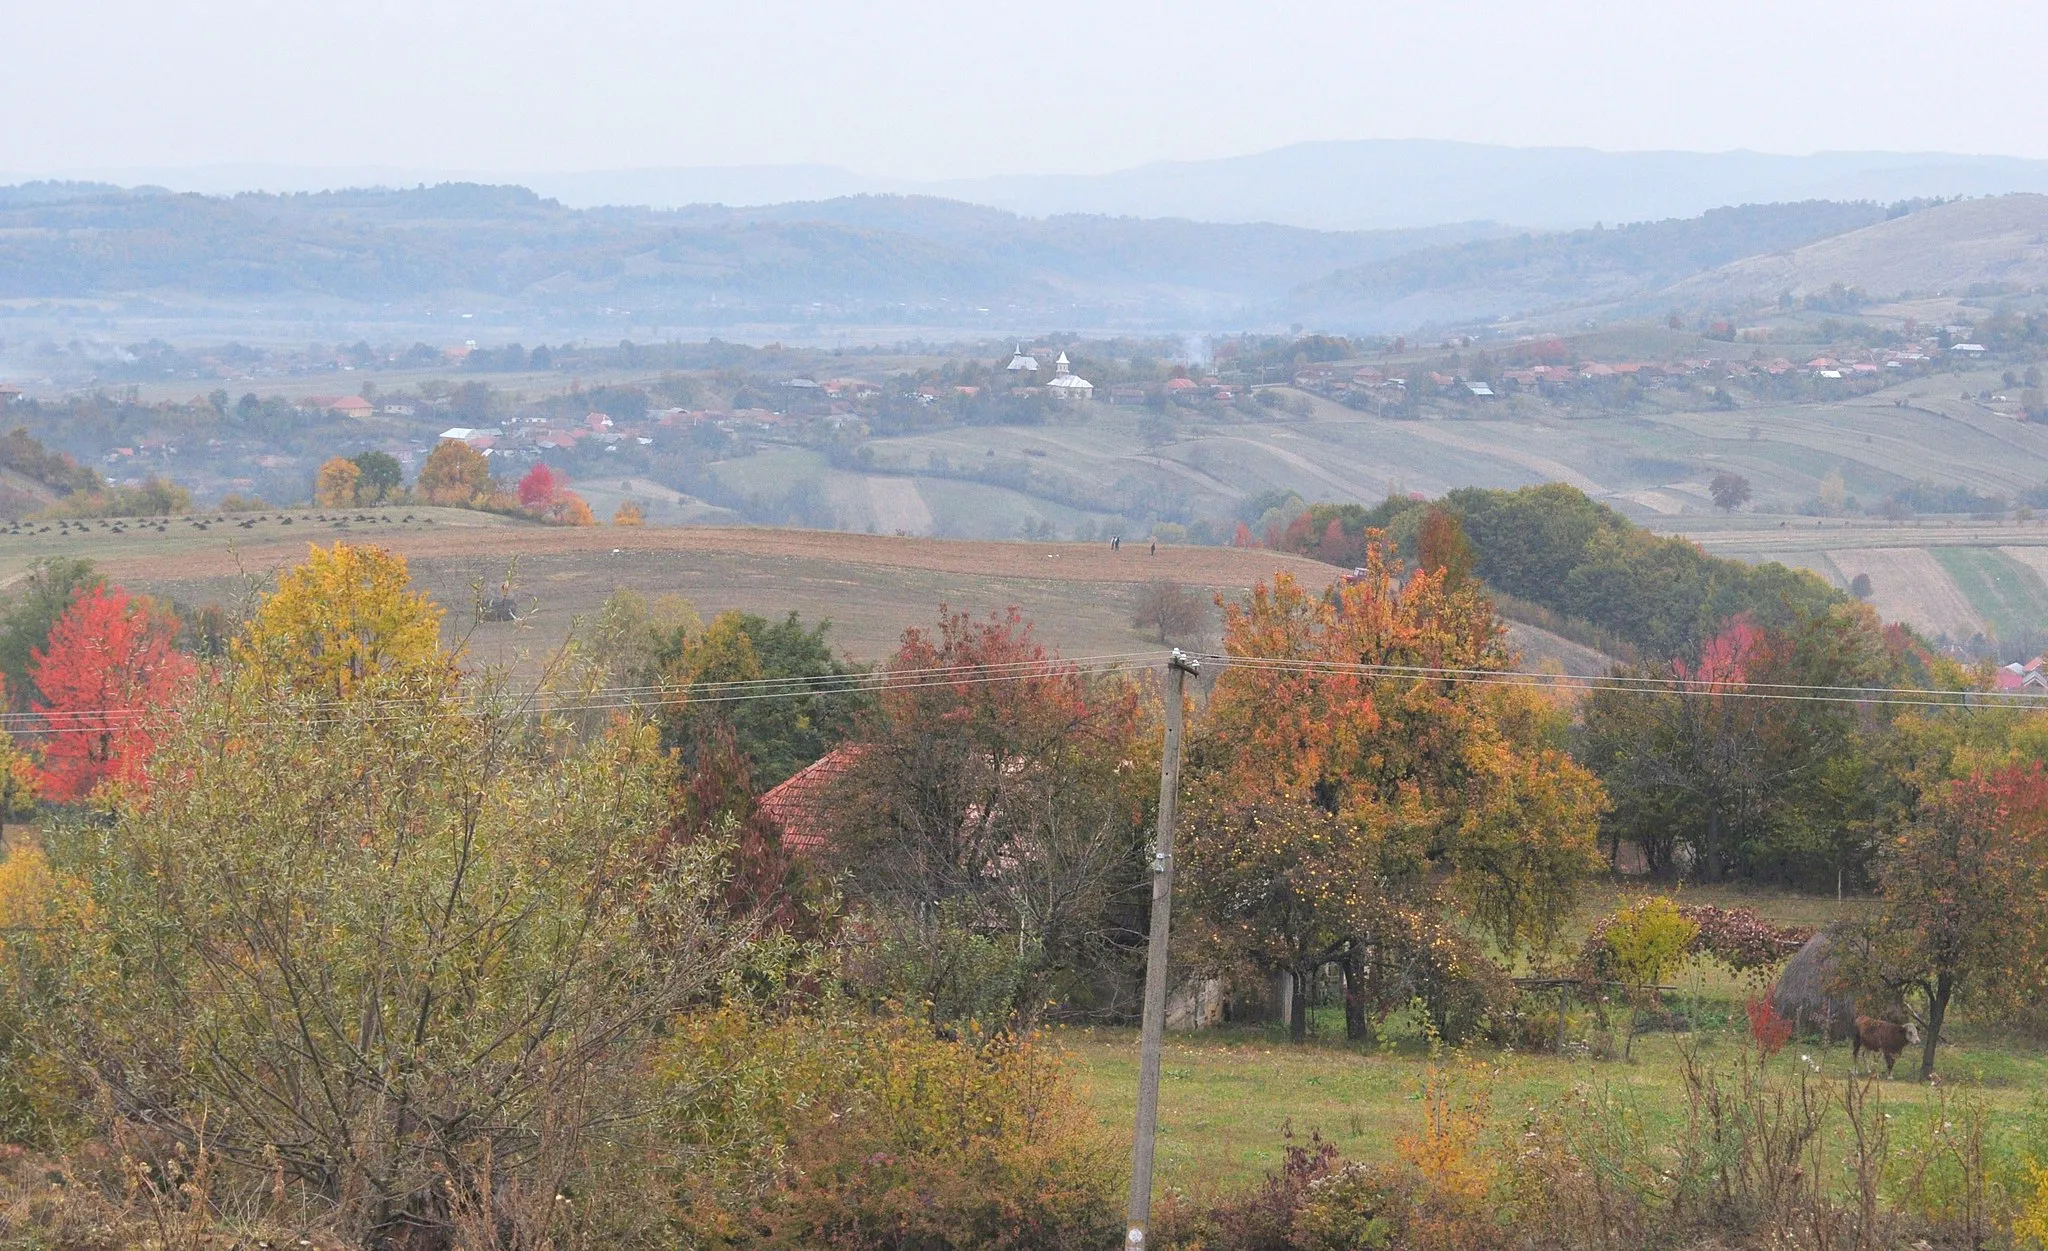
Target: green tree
815, 712
382, 477
39, 599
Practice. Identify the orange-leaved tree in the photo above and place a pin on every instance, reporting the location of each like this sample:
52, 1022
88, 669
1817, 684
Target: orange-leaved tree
347, 621
335, 486
1372, 703
109, 669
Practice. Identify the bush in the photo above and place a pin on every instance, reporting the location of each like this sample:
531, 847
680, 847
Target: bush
831, 1128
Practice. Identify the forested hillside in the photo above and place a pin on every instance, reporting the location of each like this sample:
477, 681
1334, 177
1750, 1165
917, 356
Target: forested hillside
889, 259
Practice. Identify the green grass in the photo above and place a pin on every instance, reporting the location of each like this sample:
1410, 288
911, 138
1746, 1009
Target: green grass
2009, 596
1229, 1097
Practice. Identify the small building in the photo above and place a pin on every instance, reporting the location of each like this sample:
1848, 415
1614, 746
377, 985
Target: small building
1022, 364
8, 394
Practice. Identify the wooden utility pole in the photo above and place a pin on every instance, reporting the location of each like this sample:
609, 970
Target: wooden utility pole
1178, 666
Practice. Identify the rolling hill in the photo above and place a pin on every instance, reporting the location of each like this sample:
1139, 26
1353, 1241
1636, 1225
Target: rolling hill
2000, 241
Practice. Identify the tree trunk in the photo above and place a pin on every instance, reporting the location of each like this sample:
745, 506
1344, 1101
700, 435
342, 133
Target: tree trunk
1937, 1008
1297, 1008
1356, 1028
1713, 843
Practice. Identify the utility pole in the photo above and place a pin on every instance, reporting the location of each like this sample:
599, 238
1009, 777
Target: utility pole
1178, 666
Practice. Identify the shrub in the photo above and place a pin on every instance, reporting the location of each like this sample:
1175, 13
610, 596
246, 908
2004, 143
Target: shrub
830, 1128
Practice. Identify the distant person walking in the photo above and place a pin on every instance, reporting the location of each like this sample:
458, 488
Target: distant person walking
1155, 548
1116, 543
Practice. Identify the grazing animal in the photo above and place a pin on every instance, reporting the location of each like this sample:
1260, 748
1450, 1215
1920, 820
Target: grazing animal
1883, 1037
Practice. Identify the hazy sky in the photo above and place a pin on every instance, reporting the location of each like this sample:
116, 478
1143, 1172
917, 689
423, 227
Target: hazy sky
920, 88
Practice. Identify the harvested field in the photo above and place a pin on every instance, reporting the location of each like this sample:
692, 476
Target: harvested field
2009, 595
870, 586
1908, 584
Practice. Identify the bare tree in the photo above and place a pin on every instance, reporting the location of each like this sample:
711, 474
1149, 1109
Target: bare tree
1171, 610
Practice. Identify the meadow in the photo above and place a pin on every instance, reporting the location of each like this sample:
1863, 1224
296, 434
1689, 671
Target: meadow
1232, 1097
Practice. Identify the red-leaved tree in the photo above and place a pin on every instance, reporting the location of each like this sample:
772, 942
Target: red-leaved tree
108, 667
537, 490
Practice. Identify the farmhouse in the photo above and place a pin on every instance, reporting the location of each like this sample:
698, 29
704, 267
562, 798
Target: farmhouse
341, 405
797, 807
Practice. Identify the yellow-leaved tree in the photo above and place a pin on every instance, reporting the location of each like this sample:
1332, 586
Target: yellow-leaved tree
455, 474
629, 514
335, 485
346, 618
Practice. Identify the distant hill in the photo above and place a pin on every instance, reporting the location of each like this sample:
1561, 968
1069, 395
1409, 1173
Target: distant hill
1385, 183
1488, 278
878, 258
1344, 185
2001, 241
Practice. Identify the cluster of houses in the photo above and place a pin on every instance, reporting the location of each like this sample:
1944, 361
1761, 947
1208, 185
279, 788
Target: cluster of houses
2024, 677
1352, 382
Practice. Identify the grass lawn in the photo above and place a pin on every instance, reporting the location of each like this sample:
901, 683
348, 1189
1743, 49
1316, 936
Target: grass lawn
1229, 1096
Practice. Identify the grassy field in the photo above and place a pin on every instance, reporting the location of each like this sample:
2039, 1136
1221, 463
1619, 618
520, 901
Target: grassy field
1228, 1097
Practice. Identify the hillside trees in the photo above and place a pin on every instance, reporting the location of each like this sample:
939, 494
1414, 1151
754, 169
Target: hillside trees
993, 817
1702, 759
108, 672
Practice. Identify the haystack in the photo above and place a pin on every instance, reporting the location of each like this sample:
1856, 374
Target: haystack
1802, 995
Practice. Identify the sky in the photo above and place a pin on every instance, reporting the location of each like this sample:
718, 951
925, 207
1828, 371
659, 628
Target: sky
924, 89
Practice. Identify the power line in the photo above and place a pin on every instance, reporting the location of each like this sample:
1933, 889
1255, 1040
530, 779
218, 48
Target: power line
617, 698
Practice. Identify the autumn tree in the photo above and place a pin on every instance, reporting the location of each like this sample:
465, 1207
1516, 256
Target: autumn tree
1279, 884
20, 782
1361, 700
455, 474
538, 489
346, 618
335, 485
628, 514
996, 801
1441, 545
1965, 887
108, 673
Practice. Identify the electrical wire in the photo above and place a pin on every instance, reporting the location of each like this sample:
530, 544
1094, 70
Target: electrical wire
619, 698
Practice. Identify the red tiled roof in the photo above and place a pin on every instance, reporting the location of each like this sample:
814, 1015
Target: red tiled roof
796, 807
